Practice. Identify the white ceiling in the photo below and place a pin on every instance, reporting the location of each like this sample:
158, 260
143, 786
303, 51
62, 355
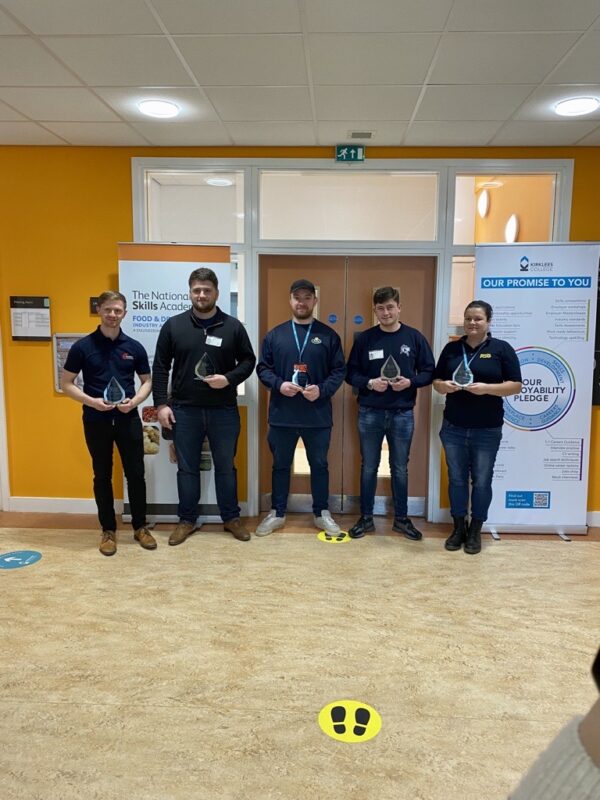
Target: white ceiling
298, 72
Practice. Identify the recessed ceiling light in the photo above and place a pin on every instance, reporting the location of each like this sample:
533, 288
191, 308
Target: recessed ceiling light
219, 181
158, 108
576, 106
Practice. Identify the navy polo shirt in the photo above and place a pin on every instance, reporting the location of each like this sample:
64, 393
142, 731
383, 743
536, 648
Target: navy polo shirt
99, 359
494, 362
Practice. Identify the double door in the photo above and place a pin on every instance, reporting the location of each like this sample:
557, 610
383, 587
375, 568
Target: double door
345, 286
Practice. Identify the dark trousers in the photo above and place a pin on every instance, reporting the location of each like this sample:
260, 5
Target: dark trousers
126, 432
222, 427
282, 441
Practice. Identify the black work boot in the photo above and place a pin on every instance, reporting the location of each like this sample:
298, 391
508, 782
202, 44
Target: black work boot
457, 538
473, 543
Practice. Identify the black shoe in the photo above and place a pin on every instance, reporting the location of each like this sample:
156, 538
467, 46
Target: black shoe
361, 526
473, 543
404, 526
458, 536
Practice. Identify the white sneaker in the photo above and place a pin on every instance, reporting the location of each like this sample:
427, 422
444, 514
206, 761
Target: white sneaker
269, 524
326, 523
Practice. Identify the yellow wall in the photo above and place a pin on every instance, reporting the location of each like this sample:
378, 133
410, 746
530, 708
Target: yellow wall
62, 212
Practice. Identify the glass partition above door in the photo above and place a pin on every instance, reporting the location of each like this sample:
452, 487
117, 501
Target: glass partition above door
330, 205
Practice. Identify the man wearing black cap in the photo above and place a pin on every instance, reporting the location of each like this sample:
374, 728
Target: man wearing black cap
302, 364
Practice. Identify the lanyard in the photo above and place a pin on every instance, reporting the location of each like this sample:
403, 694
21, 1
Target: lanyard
468, 363
301, 350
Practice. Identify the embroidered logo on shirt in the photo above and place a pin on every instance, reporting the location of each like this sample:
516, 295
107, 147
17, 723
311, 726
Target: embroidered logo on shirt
315, 340
405, 350
485, 355
127, 357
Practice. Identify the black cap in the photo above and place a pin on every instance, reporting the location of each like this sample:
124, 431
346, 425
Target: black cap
302, 283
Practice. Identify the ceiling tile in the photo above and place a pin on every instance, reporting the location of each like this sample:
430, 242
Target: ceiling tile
365, 102
385, 133
481, 58
591, 140
108, 134
542, 134
583, 64
58, 104
471, 102
517, 15
540, 106
272, 133
121, 60
359, 59
24, 133
358, 16
261, 102
8, 114
245, 60
229, 16
182, 134
192, 103
83, 16
8, 27
24, 62
450, 134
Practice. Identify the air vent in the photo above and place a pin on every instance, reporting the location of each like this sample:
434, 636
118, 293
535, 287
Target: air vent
361, 134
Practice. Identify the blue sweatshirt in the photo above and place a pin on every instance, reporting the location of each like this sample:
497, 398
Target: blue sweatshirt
412, 353
324, 358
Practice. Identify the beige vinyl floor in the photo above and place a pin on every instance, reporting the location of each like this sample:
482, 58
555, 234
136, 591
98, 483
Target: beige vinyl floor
199, 671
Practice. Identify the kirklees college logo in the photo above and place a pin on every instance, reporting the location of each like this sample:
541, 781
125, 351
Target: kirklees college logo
405, 350
524, 264
547, 394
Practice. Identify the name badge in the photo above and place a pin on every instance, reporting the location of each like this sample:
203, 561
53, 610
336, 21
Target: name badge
214, 340
375, 354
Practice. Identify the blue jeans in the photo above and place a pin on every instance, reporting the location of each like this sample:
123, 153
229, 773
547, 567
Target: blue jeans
398, 428
470, 452
282, 441
222, 427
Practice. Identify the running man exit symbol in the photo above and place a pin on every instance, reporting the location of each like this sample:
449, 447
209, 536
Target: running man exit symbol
349, 152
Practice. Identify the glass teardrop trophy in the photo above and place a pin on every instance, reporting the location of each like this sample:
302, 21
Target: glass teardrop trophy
462, 375
390, 370
114, 394
300, 376
204, 368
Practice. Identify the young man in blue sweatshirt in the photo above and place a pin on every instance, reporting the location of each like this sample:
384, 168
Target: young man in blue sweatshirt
302, 364
387, 364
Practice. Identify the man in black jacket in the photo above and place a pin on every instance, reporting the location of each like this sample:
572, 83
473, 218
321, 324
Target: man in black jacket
211, 355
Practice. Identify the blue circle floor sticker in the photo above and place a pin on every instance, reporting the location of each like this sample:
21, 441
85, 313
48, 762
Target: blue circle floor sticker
19, 558
547, 394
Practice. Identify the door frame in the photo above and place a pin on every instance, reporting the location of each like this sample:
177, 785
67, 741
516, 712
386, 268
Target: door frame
443, 249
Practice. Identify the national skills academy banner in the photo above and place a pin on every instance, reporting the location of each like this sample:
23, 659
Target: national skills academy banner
156, 289
544, 300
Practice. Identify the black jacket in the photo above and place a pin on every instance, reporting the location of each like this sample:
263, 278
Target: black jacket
182, 342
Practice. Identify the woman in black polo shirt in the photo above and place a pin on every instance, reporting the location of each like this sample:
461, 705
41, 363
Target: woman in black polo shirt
475, 373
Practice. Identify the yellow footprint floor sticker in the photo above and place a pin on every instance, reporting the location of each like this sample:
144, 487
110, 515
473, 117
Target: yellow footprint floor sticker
349, 721
327, 537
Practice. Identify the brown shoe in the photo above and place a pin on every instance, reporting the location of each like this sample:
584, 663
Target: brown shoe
108, 545
145, 538
181, 532
236, 527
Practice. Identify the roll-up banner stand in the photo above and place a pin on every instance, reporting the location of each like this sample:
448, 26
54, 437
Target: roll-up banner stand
154, 279
544, 299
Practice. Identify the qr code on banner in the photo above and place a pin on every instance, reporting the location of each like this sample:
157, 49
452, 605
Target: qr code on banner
541, 499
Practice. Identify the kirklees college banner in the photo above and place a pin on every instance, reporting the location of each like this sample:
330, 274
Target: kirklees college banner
544, 300
154, 279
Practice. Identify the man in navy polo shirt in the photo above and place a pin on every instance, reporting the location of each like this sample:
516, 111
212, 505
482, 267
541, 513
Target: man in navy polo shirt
105, 354
302, 363
385, 404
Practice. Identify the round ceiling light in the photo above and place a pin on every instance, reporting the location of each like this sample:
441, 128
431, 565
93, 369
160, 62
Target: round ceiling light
219, 181
576, 106
163, 109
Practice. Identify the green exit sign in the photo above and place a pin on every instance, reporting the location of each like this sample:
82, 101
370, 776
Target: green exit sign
349, 152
